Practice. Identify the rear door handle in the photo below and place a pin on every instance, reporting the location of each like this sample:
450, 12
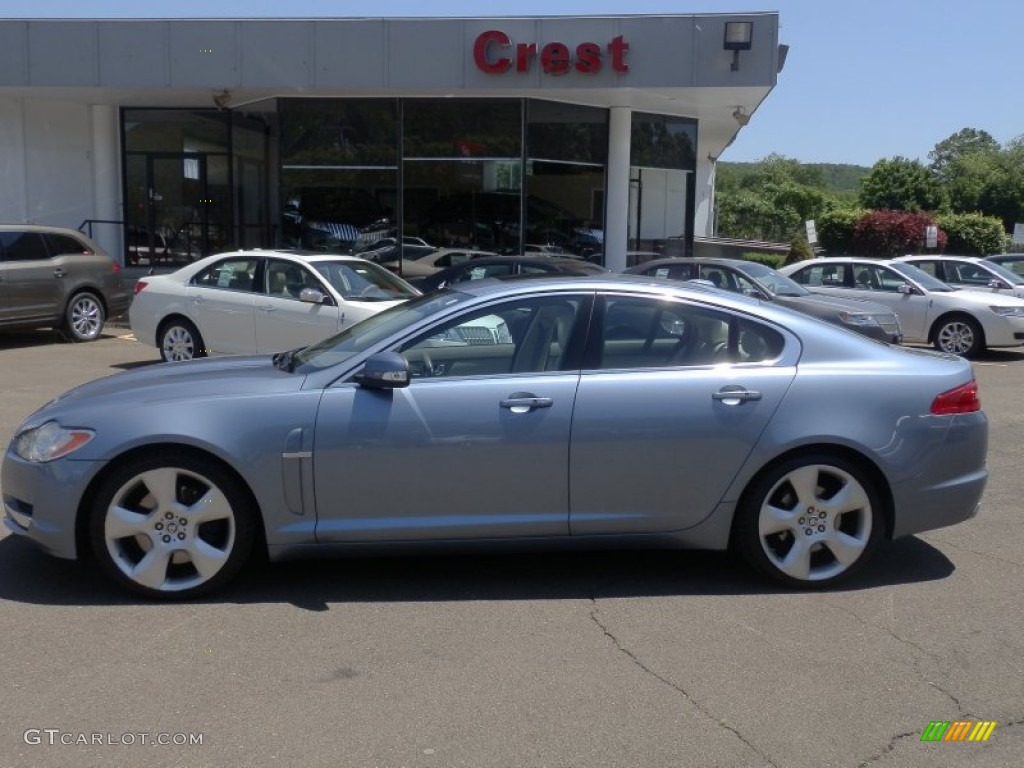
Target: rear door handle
522, 402
733, 395
267, 308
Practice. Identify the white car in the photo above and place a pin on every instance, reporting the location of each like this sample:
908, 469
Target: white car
972, 273
255, 302
930, 311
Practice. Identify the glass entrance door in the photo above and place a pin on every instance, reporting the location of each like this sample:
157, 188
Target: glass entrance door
178, 206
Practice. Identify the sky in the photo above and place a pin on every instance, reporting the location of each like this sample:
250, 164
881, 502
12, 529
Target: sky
865, 80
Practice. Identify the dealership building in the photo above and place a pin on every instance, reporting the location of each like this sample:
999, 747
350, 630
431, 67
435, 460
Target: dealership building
596, 134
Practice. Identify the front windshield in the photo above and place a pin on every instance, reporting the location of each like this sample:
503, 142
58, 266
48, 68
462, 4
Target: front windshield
363, 281
374, 329
1008, 275
773, 281
921, 277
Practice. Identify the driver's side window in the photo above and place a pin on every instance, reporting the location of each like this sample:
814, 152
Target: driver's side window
524, 336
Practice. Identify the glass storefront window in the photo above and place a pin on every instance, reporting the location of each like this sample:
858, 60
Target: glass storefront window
462, 128
662, 160
339, 173
567, 149
339, 132
462, 172
175, 130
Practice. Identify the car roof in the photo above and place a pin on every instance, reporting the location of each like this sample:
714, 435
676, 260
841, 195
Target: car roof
712, 260
938, 257
40, 228
308, 256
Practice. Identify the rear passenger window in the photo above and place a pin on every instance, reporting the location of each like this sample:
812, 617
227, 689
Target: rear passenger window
234, 274
60, 245
652, 333
22, 246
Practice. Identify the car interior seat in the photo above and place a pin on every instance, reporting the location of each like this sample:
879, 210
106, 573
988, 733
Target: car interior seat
547, 337
863, 279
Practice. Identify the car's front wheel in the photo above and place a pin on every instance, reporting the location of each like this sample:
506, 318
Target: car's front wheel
172, 526
810, 521
84, 317
959, 335
180, 340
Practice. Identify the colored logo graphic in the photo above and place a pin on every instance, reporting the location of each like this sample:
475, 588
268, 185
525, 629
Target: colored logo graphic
958, 730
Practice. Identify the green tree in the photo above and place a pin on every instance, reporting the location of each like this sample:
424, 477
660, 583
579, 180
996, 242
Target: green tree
899, 184
770, 199
835, 229
963, 143
972, 234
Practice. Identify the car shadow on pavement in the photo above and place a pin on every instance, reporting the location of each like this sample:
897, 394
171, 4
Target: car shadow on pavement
29, 576
43, 338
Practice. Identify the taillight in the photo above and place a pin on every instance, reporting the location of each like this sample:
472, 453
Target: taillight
117, 268
963, 399
139, 285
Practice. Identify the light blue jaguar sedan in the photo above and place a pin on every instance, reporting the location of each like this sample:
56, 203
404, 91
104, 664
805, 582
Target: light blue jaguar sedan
575, 411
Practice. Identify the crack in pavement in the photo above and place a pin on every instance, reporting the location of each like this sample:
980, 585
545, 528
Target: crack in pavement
900, 736
885, 629
889, 747
917, 660
679, 689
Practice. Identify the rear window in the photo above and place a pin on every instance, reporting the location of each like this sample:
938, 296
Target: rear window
22, 246
59, 245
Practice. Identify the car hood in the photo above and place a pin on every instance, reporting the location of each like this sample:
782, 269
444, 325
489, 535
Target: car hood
820, 304
163, 383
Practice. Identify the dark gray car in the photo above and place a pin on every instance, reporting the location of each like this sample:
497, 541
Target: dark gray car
595, 411
761, 281
50, 276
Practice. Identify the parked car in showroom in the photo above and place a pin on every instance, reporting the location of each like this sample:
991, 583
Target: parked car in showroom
930, 311
971, 273
59, 278
248, 302
614, 410
505, 266
763, 282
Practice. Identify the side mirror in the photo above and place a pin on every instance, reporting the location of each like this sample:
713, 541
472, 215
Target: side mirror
384, 370
312, 296
905, 288
996, 284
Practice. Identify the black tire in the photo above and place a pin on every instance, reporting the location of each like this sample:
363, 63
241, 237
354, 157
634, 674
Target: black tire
84, 317
179, 340
958, 335
783, 522
189, 543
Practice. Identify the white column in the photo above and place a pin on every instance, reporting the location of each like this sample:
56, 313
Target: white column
616, 225
106, 179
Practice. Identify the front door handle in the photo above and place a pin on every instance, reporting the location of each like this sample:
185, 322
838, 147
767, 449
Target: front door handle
59, 272
267, 308
733, 395
523, 402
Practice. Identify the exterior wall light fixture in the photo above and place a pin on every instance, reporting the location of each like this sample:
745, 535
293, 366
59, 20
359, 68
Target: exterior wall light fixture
740, 116
738, 36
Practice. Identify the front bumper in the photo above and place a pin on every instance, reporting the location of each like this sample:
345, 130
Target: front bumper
41, 501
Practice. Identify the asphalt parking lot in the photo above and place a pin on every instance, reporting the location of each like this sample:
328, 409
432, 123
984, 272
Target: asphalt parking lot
585, 660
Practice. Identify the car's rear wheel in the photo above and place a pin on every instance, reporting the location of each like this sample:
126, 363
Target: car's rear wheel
180, 340
172, 526
810, 521
959, 335
84, 317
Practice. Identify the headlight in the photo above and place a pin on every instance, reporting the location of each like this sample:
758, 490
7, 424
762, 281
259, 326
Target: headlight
858, 318
1008, 311
50, 441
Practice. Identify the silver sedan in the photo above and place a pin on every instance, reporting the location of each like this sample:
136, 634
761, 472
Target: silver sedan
575, 411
